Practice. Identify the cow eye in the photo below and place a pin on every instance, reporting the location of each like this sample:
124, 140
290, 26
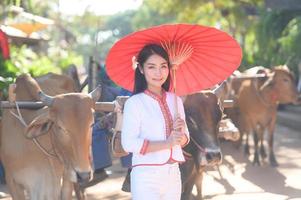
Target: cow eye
61, 129
286, 80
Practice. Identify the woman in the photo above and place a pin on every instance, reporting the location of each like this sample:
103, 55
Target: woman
149, 129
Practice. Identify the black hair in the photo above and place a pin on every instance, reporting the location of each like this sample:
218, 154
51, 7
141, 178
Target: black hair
147, 51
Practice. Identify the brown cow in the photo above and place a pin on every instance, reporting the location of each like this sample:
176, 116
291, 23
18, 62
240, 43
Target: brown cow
235, 83
258, 102
43, 159
54, 84
203, 114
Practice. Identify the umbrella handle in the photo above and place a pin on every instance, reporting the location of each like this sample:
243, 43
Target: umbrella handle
175, 89
176, 114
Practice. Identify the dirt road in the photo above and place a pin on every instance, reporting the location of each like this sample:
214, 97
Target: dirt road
240, 179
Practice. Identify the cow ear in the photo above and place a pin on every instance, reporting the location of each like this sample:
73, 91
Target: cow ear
39, 126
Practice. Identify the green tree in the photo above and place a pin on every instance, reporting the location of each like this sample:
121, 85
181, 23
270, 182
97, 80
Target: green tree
279, 35
150, 14
267, 37
114, 27
238, 18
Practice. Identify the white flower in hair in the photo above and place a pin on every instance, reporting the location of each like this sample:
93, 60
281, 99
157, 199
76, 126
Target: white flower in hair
134, 62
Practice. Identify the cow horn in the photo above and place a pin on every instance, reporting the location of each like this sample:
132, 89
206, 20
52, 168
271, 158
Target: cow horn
48, 100
96, 93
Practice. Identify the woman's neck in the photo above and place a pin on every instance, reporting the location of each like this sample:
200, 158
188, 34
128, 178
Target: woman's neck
155, 90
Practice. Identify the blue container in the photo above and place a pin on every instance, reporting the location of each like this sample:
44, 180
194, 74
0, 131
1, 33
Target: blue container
100, 148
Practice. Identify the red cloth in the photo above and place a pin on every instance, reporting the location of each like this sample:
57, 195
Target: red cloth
4, 48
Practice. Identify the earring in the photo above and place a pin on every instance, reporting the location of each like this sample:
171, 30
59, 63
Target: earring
140, 70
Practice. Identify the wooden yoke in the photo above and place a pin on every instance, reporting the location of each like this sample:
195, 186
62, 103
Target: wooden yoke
99, 106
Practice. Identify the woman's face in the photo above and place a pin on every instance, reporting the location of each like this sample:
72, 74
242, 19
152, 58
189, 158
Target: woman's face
155, 70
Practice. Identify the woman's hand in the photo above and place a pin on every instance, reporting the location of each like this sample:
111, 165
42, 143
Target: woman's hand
176, 138
179, 125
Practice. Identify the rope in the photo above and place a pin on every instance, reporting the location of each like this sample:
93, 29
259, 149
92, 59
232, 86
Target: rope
258, 94
35, 141
189, 155
19, 116
198, 146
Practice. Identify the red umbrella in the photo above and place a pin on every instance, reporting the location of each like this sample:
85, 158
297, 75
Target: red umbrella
4, 48
203, 56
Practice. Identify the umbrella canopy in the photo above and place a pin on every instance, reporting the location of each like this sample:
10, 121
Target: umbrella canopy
203, 56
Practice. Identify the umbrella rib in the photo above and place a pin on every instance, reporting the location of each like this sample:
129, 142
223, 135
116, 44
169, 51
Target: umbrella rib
223, 52
192, 36
184, 78
178, 52
187, 31
147, 37
213, 41
193, 74
218, 67
160, 33
186, 52
200, 69
208, 36
175, 33
205, 29
130, 83
121, 76
124, 66
222, 59
219, 46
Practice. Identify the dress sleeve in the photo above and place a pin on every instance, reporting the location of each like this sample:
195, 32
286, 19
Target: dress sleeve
130, 129
182, 115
